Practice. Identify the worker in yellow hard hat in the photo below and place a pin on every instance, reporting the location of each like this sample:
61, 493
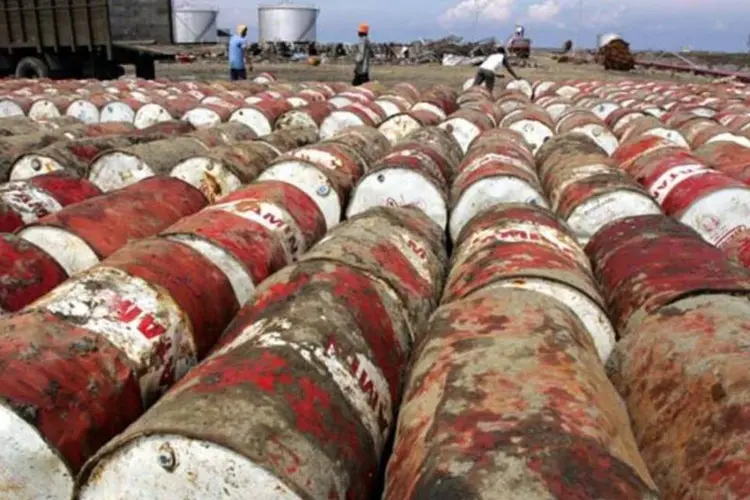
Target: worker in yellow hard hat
238, 55
364, 56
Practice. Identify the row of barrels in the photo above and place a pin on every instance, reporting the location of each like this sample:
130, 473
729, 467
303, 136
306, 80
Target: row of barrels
702, 187
516, 269
157, 298
63, 225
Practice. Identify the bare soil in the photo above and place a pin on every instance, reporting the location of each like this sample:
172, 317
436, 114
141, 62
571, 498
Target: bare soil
542, 67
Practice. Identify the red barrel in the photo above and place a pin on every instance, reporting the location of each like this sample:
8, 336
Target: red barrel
523, 246
262, 115
25, 202
353, 115
586, 188
393, 104
396, 127
80, 235
88, 109
279, 356
533, 123
310, 116
506, 393
123, 109
325, 172
155, 307
495, 170
728, 157
673, 262
161, 110
122, 167
689, 353
14, 146
416, 173
465, 125
208, 115
367, 142
222, 170
27, 273
712, 203
71, 157
224, 134
587, 123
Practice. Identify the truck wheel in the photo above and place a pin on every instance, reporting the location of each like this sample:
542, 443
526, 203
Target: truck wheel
32, 67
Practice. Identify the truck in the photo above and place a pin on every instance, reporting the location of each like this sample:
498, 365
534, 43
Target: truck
84, 38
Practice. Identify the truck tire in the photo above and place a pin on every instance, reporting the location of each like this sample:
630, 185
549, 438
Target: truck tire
32, 67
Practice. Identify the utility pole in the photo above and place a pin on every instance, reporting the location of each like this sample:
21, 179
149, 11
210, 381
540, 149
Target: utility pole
580, 25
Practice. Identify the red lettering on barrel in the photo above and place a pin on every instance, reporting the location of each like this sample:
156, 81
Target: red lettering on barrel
278, 222
127, 312
35, 206
421, 253
150, 328
364, 380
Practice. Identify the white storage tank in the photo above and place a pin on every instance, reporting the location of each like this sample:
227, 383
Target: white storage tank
287, 23
604, 39
195, 25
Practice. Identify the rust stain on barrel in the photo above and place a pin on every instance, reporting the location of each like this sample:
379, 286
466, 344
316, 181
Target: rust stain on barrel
683, 374
506, 393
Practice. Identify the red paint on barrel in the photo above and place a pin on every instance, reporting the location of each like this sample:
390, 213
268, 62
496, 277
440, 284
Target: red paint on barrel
72, 385
109, 221
673, 262
26, 273
199, 288
65, 189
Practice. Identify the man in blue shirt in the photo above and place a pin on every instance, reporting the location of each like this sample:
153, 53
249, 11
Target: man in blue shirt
238, 54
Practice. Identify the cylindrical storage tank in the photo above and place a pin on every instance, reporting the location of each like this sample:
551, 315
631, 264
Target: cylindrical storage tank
195, 26
605, 38
507, 394
287, 23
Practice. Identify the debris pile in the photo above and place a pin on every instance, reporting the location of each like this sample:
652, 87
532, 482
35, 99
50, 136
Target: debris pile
616, 56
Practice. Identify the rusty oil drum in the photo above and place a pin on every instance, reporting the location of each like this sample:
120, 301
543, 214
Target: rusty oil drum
119, 168
498, 168
136, 323
690, 356
521, 246
43, 254
350, 361
25, 202
674, 262
416, 172
261, 116
459, 436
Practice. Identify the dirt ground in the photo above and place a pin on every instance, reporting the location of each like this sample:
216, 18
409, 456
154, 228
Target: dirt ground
541, 67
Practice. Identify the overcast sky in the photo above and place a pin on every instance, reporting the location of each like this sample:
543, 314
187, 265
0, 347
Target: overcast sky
666, 24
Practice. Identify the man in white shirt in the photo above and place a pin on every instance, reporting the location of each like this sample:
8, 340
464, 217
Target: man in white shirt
491, 66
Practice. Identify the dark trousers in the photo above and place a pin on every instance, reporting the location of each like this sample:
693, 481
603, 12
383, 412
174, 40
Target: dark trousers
360, 78
487, 77
237, 74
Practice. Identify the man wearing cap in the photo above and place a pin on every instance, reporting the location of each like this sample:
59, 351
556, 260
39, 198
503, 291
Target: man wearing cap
238, 54
364, 56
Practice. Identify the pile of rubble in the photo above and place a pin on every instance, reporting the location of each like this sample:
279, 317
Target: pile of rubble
616, 56
449, 51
